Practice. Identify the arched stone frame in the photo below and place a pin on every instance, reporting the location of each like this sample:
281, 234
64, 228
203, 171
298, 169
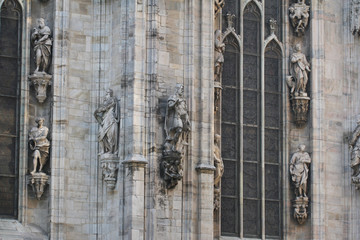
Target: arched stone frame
23, 92
272, 38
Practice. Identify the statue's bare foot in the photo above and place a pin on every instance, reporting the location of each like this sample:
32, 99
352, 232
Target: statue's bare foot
33, 172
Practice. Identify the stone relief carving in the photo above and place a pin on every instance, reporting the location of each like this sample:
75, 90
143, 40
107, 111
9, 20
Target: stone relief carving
218, 5
354, 145
42, 42
40, 146
177, 127
108, 117
219, 171
297, 81
299, 171
299, 16
355, 17
272, 25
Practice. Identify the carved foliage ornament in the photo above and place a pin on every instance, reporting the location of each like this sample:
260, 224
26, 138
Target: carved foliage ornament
299, 16
355, 17
177, 127
299, 171
354, 145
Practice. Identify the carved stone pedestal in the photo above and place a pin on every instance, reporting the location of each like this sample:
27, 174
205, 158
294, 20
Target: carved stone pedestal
110, 166
300, 205
38, 183
40, 81
171, 168
300, 107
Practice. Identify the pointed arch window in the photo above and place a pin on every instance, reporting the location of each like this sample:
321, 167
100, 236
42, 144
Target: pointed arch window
251, 123
10, 67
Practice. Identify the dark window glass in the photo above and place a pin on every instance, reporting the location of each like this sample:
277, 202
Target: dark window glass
10, 58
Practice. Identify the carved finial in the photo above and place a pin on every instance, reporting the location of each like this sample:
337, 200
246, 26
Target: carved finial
273, 25
230, 20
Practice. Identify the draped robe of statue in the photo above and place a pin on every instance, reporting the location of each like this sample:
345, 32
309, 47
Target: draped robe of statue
299, 171
299, 71
108, 117
40, 145
43, 44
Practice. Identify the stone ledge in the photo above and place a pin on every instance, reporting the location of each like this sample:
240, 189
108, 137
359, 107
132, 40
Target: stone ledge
205, 168
135, 160
13, 229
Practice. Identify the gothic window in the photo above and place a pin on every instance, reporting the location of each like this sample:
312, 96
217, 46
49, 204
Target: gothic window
251, 123
10, 65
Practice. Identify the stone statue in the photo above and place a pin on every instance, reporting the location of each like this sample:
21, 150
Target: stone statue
354, 145
41, 38
299, 16
219, 55
39, 144
177, 124
177, 127
108, 116
299, 72
219, 171
299, 170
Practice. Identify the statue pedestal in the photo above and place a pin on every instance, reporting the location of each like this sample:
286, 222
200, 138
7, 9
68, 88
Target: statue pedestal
110, 166
300, 107
40, 81
38, 182
300, 205
171, 168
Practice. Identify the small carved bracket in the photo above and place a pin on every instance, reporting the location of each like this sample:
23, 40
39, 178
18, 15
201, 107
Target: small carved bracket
300, 107
299, 16
38, 183
110, 166
40, 81
300, 209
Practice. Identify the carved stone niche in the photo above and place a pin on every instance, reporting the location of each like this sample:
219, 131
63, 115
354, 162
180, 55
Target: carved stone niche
299, 16
40, 81
38, 182
110, 166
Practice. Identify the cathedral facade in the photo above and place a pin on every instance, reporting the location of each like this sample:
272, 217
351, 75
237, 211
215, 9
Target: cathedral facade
179, 119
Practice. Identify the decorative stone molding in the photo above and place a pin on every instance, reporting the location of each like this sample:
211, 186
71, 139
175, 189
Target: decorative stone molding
110, 166
177, 127
355, 17
40, 81
299, 16
299, 171
297, 83
354, 145
38, 183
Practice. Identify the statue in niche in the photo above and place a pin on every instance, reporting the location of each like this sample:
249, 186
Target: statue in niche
108, 116
177, 126
300, 68
219, 171
41, 38
219, 55
39, 144
299, 16
354, 145
299, 170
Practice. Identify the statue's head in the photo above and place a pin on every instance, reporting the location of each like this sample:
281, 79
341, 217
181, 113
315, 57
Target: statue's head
358, 121
40, 121
217, 138
41, 22
179, 89
302, 147
218, 34
298, 47
109, 92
